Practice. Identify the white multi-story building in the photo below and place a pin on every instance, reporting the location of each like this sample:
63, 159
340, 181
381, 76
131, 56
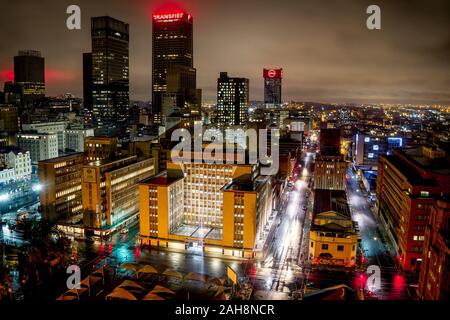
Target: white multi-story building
58, 128
75, 138
15, 164
42, 146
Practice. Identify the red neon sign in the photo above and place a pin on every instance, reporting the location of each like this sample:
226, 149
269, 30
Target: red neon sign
168, 16
272, 73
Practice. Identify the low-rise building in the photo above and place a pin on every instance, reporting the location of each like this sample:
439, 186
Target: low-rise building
100, 148
42, 146
15, 162
57, 128
75, 138
333, 237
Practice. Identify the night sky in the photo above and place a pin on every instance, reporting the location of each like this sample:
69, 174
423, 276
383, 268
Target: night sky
324, 47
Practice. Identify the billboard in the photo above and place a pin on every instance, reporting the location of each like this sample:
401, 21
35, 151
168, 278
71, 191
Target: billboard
272, 73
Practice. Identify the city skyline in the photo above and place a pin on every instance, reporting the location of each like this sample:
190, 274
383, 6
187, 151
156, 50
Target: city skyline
327, 53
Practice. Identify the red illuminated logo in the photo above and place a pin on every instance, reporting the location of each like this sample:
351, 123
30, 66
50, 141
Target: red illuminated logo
168, 16
272, 73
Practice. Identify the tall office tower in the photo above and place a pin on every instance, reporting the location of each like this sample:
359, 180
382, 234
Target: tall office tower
410, 182
110, 74
87, 80
182, 98
330, 168
29, 74
172, 44
232, 100
272, 87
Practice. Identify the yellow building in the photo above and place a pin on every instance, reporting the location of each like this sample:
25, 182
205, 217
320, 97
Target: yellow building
110, 192
60, 179
333, 237
219, 208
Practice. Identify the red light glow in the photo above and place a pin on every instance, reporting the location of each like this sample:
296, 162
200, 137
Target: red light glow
7, 75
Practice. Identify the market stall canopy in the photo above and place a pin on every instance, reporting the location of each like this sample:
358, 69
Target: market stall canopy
120, 293
152, 296
161, 289
173, 273
196, 276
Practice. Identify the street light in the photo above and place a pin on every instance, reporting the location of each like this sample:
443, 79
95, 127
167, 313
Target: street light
37, 187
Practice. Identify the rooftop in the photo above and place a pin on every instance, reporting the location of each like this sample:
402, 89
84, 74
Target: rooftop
331, 200
9, 149
161, 180
63, 158
438, 165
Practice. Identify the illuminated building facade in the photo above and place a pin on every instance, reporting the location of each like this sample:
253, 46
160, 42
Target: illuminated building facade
172, 44
333, 237
9, 122
409, 183
110, 193
60, 179
330, 167
368, 148
110, 73
220, 208
100, 148
75, 138
29, 74
50, 127
434, 280
232, 100
15, 163
272, 87
42, 146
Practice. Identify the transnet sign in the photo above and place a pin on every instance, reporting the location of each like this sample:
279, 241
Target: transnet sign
169, 16
272, 73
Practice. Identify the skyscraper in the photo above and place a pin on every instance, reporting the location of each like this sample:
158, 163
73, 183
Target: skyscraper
110, 73
172, 44
272, 87
232, 100
181, 96
87, 80
29, 74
